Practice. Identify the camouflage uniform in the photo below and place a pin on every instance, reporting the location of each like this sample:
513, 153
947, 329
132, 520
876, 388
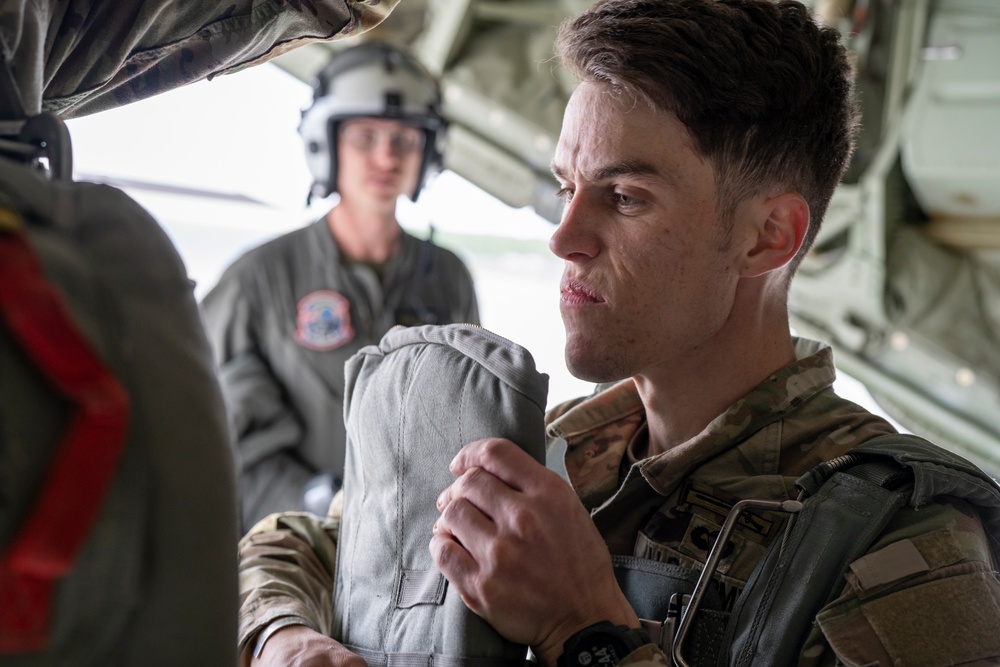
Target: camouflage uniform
151, 583
671, 506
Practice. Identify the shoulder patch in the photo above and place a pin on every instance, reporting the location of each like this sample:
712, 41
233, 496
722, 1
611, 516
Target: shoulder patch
323, 321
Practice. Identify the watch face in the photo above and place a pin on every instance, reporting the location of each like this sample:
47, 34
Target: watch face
599, 649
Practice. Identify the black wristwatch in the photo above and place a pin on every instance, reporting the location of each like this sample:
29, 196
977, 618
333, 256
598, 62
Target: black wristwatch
601, 645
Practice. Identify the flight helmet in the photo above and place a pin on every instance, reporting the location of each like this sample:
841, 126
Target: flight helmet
371, 80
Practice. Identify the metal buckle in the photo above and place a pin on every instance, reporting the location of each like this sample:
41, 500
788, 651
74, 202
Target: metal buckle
712, 564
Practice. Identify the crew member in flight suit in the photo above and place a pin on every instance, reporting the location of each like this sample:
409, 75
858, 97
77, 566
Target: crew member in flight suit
286, 316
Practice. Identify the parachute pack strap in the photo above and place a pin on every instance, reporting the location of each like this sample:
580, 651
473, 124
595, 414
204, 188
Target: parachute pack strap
24, 138
41, 136
50, 134
836, 525
939, 473
84, 461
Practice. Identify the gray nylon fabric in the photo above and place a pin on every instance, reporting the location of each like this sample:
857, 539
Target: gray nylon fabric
411, 403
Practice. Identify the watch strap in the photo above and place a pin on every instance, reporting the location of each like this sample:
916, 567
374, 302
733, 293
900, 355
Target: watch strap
601, 645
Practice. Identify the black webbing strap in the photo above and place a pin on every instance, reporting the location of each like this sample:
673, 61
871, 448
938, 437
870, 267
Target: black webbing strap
797, 576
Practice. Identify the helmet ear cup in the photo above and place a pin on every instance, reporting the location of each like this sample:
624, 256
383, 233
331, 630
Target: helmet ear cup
371, 80
433, 162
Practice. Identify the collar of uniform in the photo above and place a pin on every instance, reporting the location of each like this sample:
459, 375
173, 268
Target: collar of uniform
406, 260
324, 247
606, 407
770, 401
402, 262
598, 429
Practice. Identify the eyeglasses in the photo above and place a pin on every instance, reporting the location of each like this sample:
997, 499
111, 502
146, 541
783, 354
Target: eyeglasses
403, 140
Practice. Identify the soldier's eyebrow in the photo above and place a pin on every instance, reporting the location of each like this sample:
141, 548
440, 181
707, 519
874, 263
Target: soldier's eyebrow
629, 168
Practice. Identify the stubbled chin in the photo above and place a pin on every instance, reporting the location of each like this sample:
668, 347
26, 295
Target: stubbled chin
582, 359
595, 360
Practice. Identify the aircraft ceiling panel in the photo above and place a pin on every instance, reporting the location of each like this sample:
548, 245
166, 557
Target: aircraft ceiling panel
950, 155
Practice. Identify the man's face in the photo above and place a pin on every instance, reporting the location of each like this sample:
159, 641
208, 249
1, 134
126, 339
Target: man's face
648, 282
377, 160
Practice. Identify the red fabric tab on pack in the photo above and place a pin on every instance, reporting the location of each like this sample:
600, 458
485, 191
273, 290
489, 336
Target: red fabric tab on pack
83, 464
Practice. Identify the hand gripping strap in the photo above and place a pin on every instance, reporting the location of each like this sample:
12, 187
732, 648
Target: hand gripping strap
82, 467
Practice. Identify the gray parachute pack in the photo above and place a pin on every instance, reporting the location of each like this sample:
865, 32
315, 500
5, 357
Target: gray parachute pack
410, 404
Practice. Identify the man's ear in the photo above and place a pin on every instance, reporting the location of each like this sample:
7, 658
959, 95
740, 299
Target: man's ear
780, 227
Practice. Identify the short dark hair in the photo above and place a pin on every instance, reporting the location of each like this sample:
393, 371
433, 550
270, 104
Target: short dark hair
766, 92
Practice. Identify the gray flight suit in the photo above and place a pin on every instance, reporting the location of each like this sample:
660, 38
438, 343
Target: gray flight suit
284, 319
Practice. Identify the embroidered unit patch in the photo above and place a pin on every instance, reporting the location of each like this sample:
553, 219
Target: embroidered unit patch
323, 321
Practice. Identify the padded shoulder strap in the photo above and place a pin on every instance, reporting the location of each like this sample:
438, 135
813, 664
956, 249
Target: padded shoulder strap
82, 468
835, 526
939, 473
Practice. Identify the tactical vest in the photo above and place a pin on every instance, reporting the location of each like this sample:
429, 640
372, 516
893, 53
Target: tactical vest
847, 504
410, 404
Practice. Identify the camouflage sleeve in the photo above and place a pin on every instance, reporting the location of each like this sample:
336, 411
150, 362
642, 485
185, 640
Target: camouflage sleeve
926, 593
75, 57
286, 568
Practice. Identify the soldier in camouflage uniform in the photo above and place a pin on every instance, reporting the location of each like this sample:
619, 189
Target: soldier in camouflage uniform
121, 555
697, 158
